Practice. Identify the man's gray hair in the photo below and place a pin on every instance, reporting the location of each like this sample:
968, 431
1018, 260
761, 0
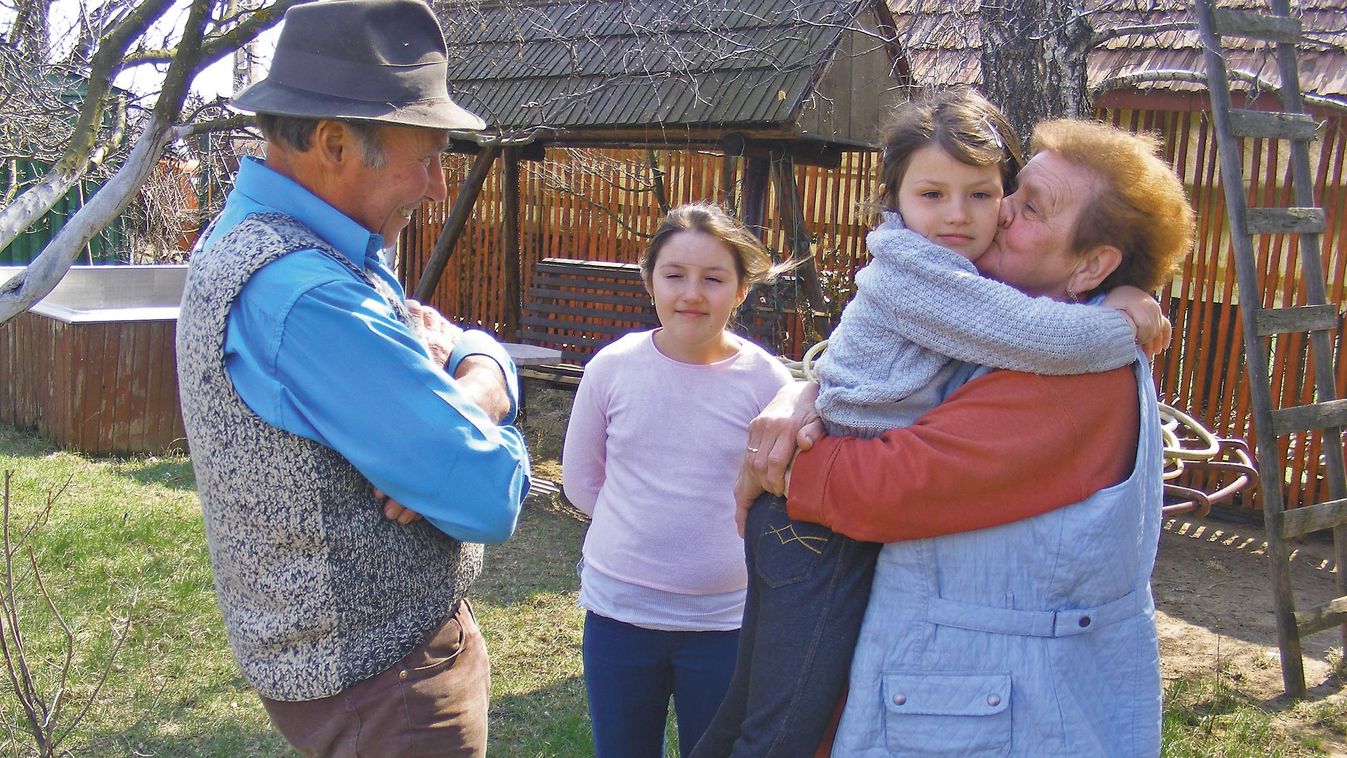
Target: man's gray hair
296, 133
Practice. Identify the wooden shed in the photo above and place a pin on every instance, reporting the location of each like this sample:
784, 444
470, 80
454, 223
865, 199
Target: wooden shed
1150, 79
768, 84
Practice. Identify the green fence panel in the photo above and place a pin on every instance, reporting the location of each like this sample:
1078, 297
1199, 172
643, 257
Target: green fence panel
105, 247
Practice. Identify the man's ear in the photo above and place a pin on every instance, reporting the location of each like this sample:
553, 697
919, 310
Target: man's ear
1094, 267
333, 142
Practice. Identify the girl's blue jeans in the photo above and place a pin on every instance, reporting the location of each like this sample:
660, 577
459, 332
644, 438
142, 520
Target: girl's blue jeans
807, 591
631, 672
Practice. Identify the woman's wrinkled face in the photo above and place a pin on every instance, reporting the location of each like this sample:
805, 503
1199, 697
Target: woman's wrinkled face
1032, 249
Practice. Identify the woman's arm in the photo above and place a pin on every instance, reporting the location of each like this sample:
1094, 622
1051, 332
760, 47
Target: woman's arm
1004, 447
584, 453
936, 299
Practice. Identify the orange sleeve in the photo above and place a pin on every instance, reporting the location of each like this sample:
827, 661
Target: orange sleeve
1004, 447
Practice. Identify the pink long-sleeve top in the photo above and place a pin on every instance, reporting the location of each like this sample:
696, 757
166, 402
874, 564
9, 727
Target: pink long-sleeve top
651, 454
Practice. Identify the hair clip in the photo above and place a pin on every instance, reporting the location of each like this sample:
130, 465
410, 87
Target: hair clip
995, 134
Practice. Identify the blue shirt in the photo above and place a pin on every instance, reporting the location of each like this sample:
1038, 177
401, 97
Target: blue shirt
314, 350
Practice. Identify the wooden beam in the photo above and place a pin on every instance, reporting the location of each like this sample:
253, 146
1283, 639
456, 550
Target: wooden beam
527, 151
729, 168
453, 227
802, 152
1297, 522
510, 229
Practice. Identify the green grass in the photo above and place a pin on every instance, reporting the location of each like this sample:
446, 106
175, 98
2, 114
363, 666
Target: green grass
125, 527
1206, 717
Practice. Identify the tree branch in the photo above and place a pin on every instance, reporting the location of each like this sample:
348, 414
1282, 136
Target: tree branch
1104, 35
42, 275
104, 66
1179, 75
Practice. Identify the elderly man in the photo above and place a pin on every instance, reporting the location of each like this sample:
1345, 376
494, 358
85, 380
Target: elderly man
317, 399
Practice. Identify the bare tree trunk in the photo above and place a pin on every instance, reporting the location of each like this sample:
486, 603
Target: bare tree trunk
195, 49
1033, 59
42, 275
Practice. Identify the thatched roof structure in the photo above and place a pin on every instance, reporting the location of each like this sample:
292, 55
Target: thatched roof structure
637, 71
940, 45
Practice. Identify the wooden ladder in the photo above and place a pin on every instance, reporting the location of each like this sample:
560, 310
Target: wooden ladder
1317, 317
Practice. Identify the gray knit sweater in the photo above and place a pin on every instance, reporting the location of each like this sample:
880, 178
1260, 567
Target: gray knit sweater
319, 591
920, 307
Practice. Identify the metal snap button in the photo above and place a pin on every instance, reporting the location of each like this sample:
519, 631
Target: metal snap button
402, 674
899, 699
1084, 621
993, 700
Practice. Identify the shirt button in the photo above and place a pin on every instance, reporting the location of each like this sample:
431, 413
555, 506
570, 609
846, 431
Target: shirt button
899, 699
1084, 621
993, 700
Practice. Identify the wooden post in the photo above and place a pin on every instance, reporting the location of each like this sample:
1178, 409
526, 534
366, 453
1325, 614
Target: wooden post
728, 168
798, 240
757, 170
453, 227
510, 230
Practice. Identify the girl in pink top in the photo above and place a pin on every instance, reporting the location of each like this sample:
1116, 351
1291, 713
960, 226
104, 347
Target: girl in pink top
656, 434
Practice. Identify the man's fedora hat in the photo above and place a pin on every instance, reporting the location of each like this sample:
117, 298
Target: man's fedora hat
365, 60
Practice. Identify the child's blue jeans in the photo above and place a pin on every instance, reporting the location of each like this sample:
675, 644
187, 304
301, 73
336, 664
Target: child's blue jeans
630, 672
807, 591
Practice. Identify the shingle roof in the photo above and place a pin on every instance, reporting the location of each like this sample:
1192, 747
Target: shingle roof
941, 39
612, 64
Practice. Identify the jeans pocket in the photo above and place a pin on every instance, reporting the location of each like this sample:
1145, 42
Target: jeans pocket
786, 551
947, 714
437, 653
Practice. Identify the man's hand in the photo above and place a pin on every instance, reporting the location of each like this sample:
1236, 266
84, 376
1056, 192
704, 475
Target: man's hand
435, 331
788, 423
1149, 324
481, 380
394, 511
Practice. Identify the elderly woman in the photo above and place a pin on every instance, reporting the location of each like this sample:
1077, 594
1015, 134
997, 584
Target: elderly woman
1011, 611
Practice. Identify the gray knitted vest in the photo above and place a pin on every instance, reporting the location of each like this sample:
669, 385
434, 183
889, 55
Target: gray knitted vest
318, 590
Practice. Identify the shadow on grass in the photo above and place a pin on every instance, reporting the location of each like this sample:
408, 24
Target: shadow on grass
174, 473
224, 741
24, 443
551, 721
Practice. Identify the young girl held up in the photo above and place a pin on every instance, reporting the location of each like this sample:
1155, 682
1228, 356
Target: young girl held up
920, 316
656, 435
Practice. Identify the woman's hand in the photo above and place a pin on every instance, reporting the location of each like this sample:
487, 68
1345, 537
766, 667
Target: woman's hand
788, 424
789, 421
1149, 324
746, 490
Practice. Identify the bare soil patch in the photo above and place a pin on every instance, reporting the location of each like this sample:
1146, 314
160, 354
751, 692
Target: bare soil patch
1213, 595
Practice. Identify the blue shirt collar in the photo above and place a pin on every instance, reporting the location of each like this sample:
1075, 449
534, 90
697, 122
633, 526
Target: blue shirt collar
276, 192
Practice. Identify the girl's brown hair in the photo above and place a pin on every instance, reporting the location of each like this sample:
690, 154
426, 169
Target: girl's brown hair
751, 260
963, 123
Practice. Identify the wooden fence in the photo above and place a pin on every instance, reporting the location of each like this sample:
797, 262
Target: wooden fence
601, 205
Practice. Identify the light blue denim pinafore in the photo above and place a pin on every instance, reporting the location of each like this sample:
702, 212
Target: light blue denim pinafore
1032, 639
